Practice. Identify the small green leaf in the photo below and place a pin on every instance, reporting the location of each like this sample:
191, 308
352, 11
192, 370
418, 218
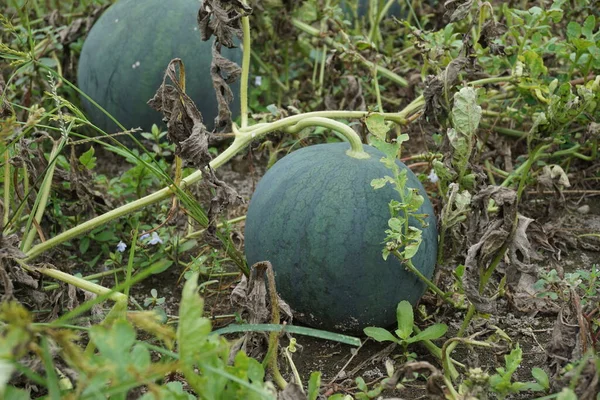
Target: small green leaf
466, 113
430, 333
541, 377
379, 334
588, 27
314, 384
377, 126
405, 317
389, 149
573, 30
87, 159
360, 383
161, 265
397, 224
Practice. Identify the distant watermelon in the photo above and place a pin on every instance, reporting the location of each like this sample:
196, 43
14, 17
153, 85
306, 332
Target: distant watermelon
127, 51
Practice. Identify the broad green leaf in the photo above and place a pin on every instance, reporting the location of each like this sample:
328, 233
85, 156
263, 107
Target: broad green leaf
573, 30
380, 334
314, 384
13, 393
405, 317
466, 113
588, 27
430, 333
567, 394
534, 63
541, 377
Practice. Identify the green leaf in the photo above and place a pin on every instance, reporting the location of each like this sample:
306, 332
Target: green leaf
405, 317
187, 245
466, 114
397, 224
573, 30
380, 334
360, 383
588, 27
161, 265
84, 244
430, 333
15, 394
534, 63
567, 394
314, 384
389, 149
541, 377
87, 159
378, 183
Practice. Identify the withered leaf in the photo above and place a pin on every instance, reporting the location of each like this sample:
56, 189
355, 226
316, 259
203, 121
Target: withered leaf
489, 237
252, 298
293, 391
184, 121
457, 9
223, 19
355, 100
437, 87
490, 31
223, 73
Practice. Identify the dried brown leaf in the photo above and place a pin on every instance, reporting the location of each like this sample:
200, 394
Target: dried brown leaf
457, 9
292, 391
223, 19
184, 121
438, 88
490, 31
223, 73
253, 300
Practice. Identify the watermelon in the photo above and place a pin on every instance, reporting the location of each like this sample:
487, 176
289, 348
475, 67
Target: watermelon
316, 218
127, 51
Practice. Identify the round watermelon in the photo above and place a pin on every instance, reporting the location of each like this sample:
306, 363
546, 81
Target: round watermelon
316, 218
127, 51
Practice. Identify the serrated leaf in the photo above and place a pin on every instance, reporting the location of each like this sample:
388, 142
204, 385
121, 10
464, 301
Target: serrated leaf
381, 182
534, 63
466, 113
405, 318
389, 149
379, 334
430, 333
377, 126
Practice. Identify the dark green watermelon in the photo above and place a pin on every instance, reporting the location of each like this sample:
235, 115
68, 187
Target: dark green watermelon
316, 218
125, 55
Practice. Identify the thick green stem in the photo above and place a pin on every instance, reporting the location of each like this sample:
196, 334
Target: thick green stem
356, 149
245, 70
75, 281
